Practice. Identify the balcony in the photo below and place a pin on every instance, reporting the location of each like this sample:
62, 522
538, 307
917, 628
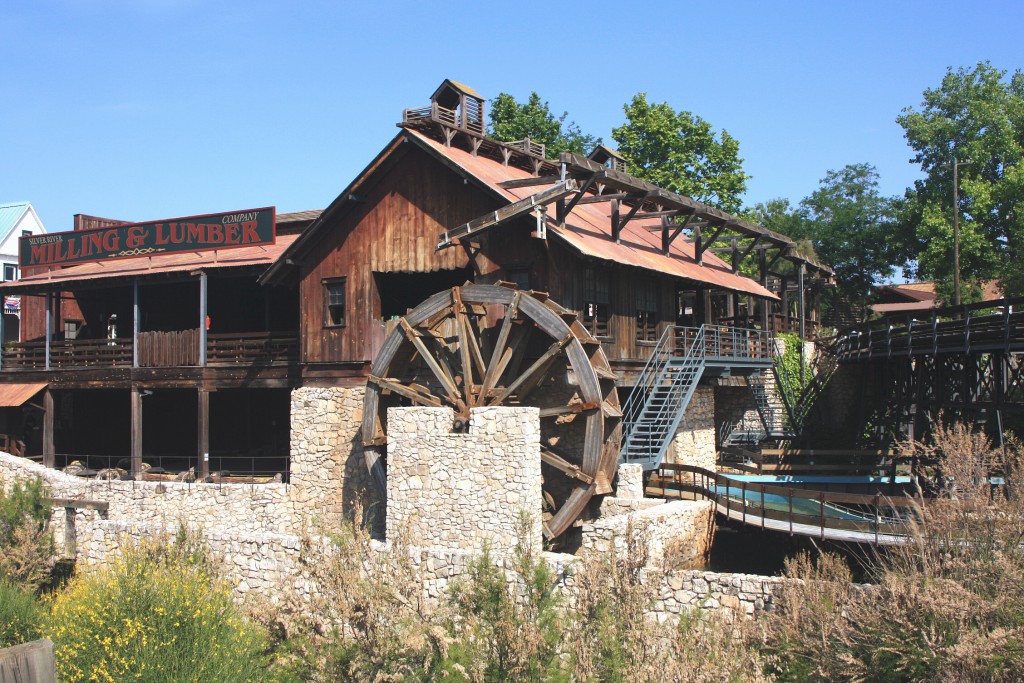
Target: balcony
156, 350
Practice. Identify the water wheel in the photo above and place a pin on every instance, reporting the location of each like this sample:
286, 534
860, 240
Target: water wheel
494, 345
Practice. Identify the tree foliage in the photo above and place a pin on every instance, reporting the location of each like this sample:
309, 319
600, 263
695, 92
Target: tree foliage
533, 119
850, 225
975, 115
679, 151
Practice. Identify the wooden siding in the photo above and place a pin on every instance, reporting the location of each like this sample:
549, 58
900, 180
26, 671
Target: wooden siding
392, 228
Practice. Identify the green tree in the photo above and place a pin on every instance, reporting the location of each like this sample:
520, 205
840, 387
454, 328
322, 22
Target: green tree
533, 119
976, 116
679, 151
851, 227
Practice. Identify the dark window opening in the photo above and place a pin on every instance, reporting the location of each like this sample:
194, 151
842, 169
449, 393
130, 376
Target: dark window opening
596, 302
334, 302
10, 272
647, 311
401, 292
519, 276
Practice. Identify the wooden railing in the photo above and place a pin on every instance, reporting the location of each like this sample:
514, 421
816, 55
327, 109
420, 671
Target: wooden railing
156, 349
987, 326
69, 353
778, 323
868, 518
529, 146
254, 347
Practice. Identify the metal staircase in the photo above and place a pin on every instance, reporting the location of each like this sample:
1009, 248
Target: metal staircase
655, 407
775, 413
783, 413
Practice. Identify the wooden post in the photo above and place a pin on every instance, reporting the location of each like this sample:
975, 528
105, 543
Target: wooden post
135, 323
204, 434
31, 662
49, 454
202, 318
136, 454
765, 303
49, 326
1, 337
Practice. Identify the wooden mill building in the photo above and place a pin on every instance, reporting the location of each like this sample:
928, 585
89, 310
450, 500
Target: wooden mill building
189, 358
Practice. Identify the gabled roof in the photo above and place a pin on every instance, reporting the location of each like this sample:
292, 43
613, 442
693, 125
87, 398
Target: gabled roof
465, 89
587, 229
10, 215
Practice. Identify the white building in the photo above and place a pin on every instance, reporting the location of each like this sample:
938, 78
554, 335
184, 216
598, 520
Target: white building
17, 219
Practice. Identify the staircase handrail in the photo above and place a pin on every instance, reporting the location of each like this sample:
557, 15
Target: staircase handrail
649, 375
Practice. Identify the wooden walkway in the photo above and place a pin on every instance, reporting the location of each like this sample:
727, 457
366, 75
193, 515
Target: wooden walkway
842, 517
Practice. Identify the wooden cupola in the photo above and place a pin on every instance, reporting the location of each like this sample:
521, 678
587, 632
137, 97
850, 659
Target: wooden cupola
608, 158
460, 106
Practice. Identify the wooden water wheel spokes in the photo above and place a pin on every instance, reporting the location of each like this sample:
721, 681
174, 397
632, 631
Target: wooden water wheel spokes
490, 345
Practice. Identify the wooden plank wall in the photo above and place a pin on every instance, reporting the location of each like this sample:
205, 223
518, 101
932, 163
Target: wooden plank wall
393, 228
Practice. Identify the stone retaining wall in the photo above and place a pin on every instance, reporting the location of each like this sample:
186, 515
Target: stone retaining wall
675, 534
464, 490
694, 442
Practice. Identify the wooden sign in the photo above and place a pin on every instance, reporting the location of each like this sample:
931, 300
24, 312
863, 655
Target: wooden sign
195, 233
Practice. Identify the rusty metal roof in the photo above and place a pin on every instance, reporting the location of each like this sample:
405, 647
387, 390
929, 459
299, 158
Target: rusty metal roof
149, 266
15, 394
588, 228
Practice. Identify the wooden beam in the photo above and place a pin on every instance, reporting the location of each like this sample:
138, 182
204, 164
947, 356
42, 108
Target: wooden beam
667, 239
564, 209
529, 182
203, 450
548, 455
136, 432
550, 195
598, 198
709, 242
49, 454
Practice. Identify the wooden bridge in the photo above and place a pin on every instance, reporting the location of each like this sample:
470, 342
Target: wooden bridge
827, 515
964, 362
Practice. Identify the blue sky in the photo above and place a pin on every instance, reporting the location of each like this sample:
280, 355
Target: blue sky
148, 109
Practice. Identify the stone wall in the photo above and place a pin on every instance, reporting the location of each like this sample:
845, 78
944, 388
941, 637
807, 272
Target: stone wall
734, 405
328, 473
694, 442
673, 534
464, 490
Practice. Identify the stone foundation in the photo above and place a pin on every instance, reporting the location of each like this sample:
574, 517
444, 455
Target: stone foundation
674, 534
694, 442
464, 490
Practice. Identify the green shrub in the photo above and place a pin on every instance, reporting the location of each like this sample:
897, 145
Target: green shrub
21, 615
158, 614
26, 544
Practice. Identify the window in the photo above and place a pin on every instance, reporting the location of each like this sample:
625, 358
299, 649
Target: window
72, 328
10, 272
647, 311
26, 233
520, 275
596, 300
334, 302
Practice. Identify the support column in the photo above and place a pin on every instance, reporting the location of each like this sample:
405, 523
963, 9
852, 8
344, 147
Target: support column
49, 326
765, 303
49, 453
203, 470
202, 319
136, 455
135, 323
803, 325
